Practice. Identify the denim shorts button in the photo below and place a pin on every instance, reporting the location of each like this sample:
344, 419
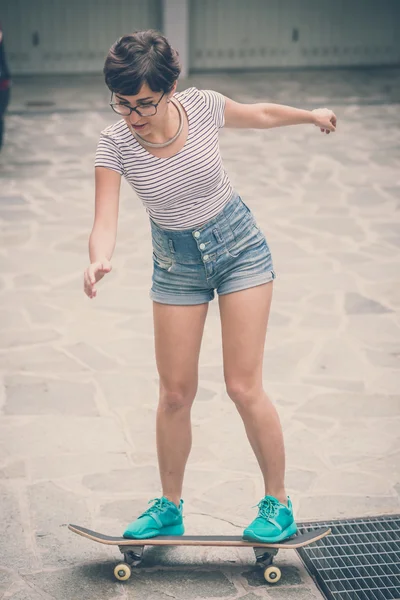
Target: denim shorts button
206, 257
197, 234
202, 246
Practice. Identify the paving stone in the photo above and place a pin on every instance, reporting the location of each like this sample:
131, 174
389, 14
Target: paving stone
17, 237
54, 435
389, 464
253, 596
51, 509
334, 225
15, 215
24, 593
130, 352
124, 511
16, 550
143, 478
12, 200
184, 584
357, 304
148, 594
339, 506
353, 405
28, 281
23, 337
239, 462
339, 384
367, 328
320, 322
48, 397
74, 464
339, 358
6, 580
300, 593
384, 271
389, 292
127, 389
44, 360
91, 357
305, 449
41, 314
361, 440
300, 480
365, 196
11, 319
316, 424
386, 382
331, 360
14, 470
90, 581
352, 482
385, 357
282, 361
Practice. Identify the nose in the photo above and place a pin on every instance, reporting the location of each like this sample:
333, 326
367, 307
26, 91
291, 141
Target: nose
134, 118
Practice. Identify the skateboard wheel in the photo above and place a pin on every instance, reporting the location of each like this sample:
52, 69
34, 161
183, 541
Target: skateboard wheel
272, 574
122, 572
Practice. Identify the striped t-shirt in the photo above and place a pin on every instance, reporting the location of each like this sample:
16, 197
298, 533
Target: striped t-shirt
184, 190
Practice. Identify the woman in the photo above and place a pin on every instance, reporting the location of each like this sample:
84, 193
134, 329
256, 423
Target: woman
204, 239
5, 86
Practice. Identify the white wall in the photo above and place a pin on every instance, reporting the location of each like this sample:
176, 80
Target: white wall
262, 33
176, 28
69, 36
73, 36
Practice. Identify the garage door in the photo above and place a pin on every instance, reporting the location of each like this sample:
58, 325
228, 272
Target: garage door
58, 36
241, 34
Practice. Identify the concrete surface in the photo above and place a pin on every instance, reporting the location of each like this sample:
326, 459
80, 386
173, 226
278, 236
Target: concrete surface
78, 384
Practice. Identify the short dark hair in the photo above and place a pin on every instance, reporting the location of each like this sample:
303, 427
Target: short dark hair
138, 58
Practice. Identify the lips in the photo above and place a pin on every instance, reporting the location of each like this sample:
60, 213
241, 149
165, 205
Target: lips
139, 127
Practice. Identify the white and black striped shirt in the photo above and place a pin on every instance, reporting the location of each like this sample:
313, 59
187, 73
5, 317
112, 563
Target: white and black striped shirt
184, 190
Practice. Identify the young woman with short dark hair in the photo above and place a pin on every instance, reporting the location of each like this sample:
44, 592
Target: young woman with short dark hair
204, 239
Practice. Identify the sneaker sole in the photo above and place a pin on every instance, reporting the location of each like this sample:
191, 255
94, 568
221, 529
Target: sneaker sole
172, 530
287, 533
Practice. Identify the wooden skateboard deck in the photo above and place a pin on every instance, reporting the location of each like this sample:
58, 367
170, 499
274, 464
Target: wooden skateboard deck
132, 549
298, 541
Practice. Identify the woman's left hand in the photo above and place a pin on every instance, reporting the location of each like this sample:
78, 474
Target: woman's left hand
325, 119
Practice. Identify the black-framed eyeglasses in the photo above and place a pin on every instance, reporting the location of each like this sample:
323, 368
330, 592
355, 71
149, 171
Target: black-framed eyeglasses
124, 109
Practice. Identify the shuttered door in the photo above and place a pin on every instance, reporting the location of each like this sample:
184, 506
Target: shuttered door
237, 34
58, 36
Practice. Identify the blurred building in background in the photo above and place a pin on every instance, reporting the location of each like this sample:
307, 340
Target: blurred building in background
73, 36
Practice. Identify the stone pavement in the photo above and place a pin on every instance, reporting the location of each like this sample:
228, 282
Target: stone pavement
78, 385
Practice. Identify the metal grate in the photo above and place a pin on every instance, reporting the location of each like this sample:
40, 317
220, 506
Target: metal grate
360, 560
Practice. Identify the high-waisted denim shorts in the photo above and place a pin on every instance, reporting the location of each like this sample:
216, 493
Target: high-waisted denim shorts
228, 253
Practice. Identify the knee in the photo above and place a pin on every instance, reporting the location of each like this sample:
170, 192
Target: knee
176, 397
242, 392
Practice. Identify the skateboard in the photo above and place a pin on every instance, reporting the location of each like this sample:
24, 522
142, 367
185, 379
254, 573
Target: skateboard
132, 549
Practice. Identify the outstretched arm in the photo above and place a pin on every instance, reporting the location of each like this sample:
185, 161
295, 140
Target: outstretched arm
266, 116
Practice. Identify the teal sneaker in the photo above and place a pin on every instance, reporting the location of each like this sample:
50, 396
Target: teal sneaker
162, 518
274, 523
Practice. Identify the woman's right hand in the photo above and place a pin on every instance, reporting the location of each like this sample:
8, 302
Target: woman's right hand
93, 274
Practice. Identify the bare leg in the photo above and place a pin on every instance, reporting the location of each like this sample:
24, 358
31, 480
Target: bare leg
244, 320
178, 333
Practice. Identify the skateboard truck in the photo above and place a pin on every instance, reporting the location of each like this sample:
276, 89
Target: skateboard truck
263, 557
133, 555
264, 560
